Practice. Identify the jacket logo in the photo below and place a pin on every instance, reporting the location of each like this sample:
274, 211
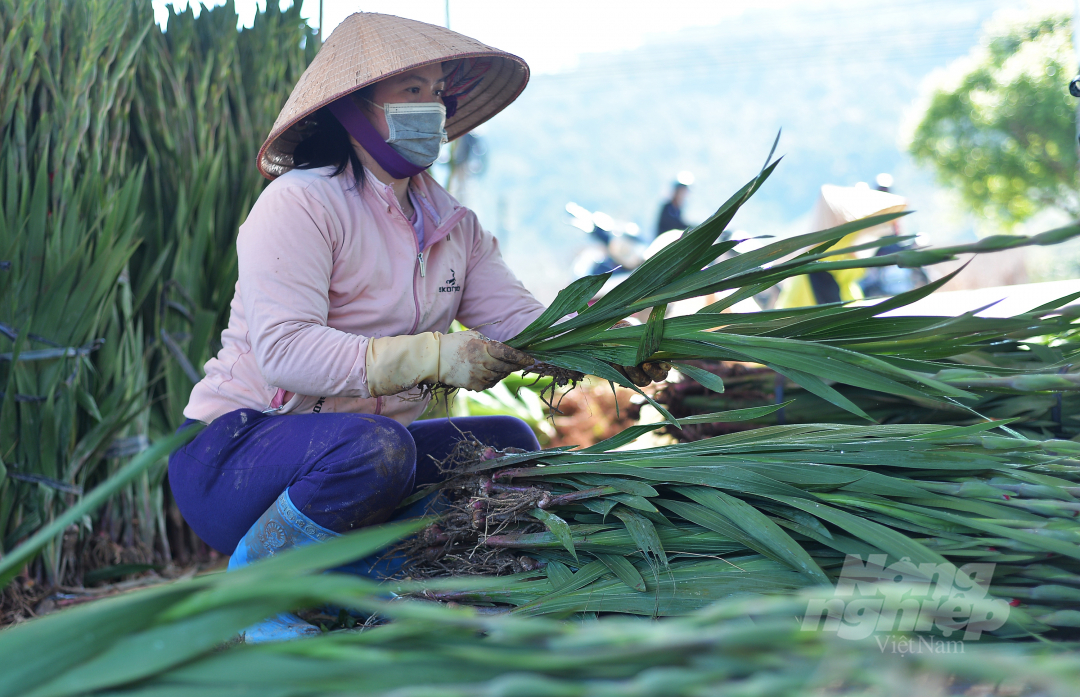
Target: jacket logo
451, 285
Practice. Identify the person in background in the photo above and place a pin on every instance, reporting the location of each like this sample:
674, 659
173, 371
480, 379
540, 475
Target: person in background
835, 206
891, 280
671, 212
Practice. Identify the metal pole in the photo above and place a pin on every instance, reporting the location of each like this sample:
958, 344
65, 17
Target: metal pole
320, 22
448, 13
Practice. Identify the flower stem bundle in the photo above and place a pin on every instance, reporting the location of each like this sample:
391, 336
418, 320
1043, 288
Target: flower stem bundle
667, 530
812, 346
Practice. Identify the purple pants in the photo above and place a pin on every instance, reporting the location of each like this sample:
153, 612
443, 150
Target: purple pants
343, 471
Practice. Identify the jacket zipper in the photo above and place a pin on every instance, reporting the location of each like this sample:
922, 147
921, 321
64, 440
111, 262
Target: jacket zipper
416, 306
421, 263
421, 266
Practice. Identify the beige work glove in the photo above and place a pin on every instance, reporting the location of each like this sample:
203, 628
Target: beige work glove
462, 359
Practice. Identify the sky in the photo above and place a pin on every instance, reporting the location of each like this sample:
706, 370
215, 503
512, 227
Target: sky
551, 35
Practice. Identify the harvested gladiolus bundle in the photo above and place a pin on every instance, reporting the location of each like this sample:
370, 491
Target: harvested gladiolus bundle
666, 530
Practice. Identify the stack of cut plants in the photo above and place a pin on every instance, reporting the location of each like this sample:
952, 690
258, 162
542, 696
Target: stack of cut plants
1020, 368
667, 530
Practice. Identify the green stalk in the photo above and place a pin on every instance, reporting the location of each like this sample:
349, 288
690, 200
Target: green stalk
13, 562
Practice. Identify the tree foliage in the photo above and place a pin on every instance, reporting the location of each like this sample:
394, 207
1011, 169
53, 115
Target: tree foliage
998, 125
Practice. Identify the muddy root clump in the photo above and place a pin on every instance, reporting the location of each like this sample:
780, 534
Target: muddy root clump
473, 507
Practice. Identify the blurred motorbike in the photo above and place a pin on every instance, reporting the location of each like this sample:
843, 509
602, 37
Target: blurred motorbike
613, 245
618, 248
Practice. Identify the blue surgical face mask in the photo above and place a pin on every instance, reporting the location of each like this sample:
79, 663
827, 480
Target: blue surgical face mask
416, 130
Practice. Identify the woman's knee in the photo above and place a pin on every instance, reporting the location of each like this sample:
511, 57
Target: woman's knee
509, 432
382, 445
366, 466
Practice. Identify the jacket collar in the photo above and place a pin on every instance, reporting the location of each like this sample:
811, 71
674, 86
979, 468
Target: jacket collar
442, 208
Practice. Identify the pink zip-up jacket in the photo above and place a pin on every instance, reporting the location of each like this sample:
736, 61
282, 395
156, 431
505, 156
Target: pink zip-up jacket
323, 268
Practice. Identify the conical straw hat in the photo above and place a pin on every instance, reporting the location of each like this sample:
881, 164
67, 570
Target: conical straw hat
845, 204
369, 47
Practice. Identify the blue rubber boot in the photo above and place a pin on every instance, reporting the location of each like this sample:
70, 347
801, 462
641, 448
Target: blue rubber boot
281, 527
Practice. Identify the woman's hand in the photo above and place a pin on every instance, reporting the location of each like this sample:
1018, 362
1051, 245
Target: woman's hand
474, 362
646, 373
463, 359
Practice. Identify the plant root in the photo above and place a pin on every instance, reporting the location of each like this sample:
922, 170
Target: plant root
745, 389
474, 507
560, 377
434, 391
20, 599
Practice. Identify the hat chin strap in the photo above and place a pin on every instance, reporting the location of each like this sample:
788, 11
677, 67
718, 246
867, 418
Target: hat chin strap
359, 127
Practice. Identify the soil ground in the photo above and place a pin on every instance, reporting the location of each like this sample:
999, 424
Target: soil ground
592, 412
26, 599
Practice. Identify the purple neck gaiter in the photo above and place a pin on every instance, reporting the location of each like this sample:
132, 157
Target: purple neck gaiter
356, 123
